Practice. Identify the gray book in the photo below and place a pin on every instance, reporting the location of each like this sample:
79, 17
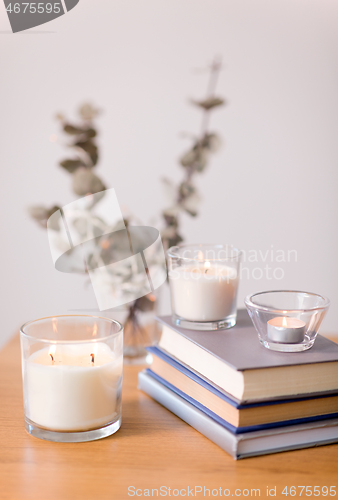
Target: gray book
235, 362
246, 444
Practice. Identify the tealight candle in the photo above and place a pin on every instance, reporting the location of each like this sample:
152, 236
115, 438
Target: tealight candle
286, 330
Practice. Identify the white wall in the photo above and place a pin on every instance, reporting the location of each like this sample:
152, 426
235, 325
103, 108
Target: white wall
273, 183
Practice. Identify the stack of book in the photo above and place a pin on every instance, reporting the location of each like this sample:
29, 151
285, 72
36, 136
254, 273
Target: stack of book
247, 399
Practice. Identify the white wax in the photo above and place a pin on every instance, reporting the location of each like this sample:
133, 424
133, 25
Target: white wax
203, 292
71, 393
286, 330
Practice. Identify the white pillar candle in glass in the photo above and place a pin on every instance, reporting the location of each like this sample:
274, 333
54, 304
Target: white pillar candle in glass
73, 388
286, 330
203, 291
72, 377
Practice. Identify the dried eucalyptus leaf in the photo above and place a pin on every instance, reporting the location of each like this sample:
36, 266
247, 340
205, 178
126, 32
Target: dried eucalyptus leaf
173, 211
88, 112
170, 220
168, 232
196, 158
90, 148
42, 214
201, 159
190, 212
188, 158
37, 212
85, 182
54, 223
186, 189
212, 142
146, 303
73, 130
90, 133
175, 240
209, 103
71, 165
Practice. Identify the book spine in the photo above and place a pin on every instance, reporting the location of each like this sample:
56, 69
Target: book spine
192, 416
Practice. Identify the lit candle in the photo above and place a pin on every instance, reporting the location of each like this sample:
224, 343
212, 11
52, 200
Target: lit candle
204, 291
286, 330
73, 387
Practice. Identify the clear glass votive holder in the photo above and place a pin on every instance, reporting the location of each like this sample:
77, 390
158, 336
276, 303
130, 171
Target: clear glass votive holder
72, 377
203, 285
287, 320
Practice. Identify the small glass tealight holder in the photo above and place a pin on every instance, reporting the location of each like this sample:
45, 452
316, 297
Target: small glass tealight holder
203, 285
72, 377
287, 320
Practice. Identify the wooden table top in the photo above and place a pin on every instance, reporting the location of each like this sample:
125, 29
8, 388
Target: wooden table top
153, 448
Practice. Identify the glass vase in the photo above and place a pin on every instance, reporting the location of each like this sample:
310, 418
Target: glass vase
140, 327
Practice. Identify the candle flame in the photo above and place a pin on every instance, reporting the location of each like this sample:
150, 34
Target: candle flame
200, 255
51, 353
284, 322
206, 266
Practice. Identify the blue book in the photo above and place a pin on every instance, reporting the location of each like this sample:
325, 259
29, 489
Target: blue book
230, 413
241, 445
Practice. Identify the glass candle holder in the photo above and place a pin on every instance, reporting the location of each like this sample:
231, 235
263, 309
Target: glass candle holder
287, 320
203, 285
72, 377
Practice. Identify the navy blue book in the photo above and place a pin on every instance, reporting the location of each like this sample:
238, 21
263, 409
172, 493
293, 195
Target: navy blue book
229, 412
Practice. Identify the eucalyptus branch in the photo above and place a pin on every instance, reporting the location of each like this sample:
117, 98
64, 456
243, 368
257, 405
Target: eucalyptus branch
185, 197
81, 164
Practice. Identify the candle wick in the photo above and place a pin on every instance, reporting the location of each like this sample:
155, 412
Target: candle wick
93, 357
205, 272
51, 355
